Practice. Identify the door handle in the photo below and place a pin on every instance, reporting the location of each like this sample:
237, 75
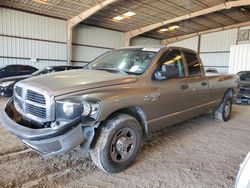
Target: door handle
203, 83
184, 86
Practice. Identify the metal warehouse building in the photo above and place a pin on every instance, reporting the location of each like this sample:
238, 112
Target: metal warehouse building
33, 33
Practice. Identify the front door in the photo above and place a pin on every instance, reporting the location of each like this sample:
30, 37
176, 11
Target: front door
168, 97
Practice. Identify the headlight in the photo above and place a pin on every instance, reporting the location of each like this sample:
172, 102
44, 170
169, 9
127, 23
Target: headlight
68, 108
5, 84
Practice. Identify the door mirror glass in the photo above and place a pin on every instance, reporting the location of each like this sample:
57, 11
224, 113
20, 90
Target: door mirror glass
167, 72
159, 75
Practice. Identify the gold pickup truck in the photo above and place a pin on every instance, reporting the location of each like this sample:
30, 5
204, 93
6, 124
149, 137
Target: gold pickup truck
108, 106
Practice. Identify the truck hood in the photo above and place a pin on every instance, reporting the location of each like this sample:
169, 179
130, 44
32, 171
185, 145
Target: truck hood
77, 80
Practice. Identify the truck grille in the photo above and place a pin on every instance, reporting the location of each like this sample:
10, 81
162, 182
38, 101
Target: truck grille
36, 111
19, 91
35, 97
32, 103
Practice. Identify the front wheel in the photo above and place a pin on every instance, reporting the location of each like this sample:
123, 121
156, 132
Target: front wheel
223, 113
117, 144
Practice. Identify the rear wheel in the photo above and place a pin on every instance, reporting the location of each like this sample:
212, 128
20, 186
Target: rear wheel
223, 113
118, 144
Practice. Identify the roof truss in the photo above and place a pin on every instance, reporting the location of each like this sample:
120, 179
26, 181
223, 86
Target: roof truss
183, 37
227, 5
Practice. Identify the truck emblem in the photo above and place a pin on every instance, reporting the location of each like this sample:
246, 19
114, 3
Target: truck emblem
152, 97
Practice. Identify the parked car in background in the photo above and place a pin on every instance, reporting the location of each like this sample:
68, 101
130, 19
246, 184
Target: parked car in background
107, 108
243, 177
211, 72
244, 94
51, 69
7, 84
16, 70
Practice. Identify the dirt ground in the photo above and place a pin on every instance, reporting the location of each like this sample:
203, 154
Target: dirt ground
197, 153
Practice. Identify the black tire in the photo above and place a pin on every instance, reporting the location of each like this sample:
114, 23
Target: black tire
223, 113
118, 143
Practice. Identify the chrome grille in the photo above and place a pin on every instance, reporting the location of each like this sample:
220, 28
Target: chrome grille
34, 103
36, 111
35, 97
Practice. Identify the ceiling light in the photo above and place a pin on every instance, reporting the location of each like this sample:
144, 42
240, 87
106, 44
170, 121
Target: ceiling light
41, 1
118, 18
171, 28
128, 14
163, 30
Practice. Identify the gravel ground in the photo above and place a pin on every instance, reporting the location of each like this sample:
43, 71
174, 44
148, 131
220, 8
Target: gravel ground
197, 153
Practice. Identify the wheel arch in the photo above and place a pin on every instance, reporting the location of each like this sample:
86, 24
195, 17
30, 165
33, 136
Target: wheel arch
229, 93
137, 113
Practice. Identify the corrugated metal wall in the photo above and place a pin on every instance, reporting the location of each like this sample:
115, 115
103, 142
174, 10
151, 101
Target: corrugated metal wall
214, 48
239, 58
218, 61
139, 41
31, 39
219, 41
191, 43
41, 41
89, 42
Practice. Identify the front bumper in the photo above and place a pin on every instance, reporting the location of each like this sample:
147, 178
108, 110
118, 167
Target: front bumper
243, 96
46, 141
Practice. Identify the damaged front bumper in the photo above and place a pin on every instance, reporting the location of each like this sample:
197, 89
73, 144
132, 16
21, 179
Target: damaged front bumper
47, 141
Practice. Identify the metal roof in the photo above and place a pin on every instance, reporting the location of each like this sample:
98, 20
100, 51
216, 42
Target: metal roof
147, 12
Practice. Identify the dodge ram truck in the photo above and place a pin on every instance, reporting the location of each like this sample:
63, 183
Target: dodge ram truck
117, 99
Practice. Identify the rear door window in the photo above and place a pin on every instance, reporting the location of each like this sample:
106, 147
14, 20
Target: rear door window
194, 65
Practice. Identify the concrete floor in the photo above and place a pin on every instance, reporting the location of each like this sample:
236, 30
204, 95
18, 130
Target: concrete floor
197, 153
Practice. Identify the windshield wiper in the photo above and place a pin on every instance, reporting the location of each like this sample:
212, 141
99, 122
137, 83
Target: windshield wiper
112, 70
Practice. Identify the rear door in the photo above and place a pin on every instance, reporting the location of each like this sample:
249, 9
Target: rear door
196, 82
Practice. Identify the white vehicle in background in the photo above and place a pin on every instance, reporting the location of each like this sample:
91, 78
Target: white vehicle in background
243, 177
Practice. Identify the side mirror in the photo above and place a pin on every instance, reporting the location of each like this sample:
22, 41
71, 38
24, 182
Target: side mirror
166, 72
159, 75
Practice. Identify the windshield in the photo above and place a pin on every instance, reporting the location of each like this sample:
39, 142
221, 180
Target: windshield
129, 61
244, 76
